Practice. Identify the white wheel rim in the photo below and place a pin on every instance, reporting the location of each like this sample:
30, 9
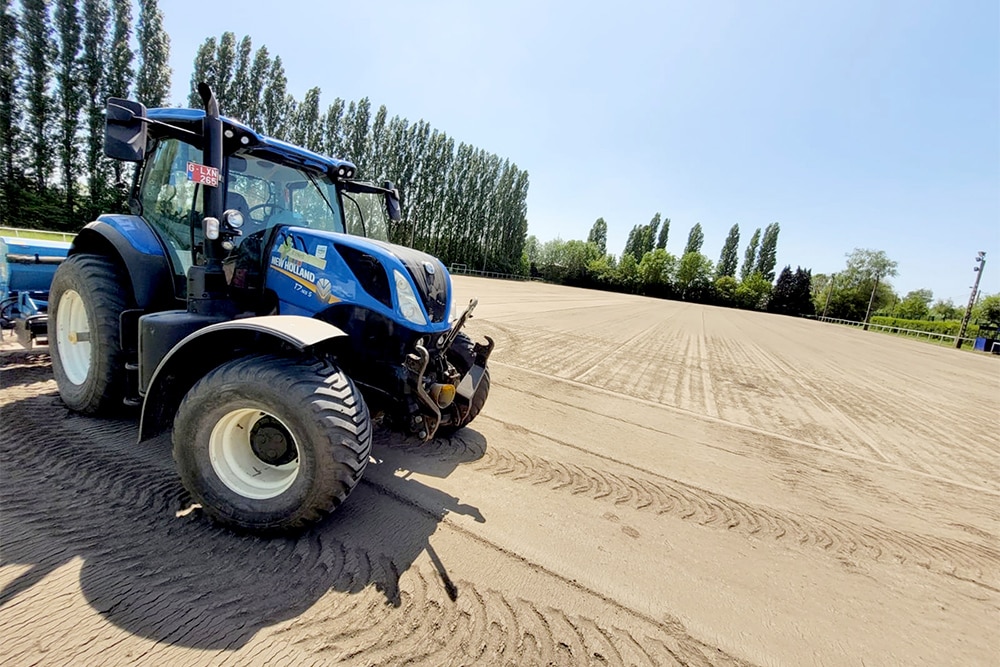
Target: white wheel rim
236, 464
73, 337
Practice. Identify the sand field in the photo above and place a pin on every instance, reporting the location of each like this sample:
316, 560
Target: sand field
650, 483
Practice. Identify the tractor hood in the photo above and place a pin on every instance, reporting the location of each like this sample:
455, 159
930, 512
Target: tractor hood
428, 273
353, 269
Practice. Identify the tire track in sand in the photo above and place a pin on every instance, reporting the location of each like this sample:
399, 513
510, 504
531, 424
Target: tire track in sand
85, 490
967, 561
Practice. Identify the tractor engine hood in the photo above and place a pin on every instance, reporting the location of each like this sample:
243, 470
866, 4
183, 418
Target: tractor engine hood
328, 256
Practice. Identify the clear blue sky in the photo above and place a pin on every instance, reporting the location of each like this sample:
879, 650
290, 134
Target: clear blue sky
852, 123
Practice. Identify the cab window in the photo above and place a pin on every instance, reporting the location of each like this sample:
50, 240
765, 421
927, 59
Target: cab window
168, 199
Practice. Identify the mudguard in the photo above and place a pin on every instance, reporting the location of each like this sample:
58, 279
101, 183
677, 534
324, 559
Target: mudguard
131, 239
213, 345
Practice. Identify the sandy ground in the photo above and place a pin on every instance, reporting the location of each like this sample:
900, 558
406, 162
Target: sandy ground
650, 483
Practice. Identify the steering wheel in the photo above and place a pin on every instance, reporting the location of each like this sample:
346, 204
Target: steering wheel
274, 208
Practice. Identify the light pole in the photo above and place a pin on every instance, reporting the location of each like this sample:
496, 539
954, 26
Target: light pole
871, 300
829, 293
980, 265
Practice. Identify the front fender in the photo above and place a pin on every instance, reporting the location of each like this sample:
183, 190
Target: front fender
209, 347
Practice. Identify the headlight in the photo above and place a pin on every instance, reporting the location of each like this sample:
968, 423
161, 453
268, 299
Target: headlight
233, 218
409, 308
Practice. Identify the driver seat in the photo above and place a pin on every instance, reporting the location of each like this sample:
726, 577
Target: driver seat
239, 202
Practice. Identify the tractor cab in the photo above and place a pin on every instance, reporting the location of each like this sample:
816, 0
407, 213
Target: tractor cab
267, 184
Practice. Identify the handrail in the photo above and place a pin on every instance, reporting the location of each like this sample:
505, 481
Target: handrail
894, 329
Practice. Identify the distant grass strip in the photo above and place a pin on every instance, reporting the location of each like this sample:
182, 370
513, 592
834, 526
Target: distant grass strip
37, 234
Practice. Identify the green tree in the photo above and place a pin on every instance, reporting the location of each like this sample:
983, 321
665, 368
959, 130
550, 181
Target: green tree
695, 240
120, 74
642, 239
792, 293
333, 133
579, 254
631, 247
915, 305
754, 292
69, 97
945, 310
225, 60
728, 259
153, 80
240, 99
649, 235
725, 290
599, 235
203, 72
602, 271
694, 276
306, 130
861, 283
357, 121
661, 239
750, 256
655, 270
37, 54
10, 113
258, 82
987, 311
531, 252
273, 111
95, 54
627, 275
768, 251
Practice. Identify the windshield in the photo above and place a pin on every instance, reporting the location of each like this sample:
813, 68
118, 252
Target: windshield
269, 193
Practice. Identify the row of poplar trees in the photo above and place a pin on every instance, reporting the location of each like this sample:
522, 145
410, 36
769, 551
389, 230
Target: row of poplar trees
460, 203
61, 59
59, 62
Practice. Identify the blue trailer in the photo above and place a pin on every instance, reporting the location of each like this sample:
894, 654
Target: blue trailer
26, 270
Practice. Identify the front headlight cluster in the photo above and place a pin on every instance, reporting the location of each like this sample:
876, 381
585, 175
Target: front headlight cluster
409, 307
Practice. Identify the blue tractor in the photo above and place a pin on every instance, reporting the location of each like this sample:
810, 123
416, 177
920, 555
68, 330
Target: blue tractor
246, 304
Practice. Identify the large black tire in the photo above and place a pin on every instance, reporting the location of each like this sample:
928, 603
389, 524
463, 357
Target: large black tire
255, 406
88, 295
462, 356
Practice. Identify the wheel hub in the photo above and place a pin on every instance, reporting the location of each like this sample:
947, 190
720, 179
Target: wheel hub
271, 442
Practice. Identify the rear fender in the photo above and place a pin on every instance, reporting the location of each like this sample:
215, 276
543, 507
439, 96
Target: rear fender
212, 346
130, 239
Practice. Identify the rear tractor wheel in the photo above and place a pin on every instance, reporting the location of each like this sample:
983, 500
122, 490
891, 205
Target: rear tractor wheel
87, 297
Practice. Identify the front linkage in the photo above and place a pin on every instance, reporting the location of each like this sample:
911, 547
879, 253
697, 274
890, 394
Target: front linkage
436, 397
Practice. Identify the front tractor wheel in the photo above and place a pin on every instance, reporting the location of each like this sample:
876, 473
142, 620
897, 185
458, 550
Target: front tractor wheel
87, 297
462, 355
271, 444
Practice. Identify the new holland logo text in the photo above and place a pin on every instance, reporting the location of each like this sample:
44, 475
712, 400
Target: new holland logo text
294, 268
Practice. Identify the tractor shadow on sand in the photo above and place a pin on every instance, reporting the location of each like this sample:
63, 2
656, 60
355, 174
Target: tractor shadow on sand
75, 487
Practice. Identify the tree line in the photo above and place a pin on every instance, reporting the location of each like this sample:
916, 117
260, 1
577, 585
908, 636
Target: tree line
862, 287
645, 266
61, 60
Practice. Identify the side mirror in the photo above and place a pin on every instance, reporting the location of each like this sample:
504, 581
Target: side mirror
125, 130
392, 206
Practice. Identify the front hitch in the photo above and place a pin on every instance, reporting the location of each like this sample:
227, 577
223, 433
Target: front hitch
417, 364
459, 323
